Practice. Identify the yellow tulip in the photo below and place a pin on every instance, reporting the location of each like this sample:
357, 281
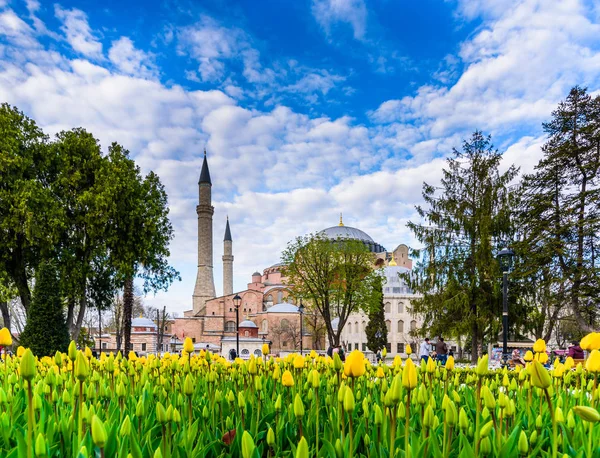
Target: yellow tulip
384, 353
539, 375
265, 349
592, 364
298, 362
313, 354
132, 356
587, 413
20, 351
380, 373
355, 364
408, 350
450, 363
99, 434
528, 356
543, 358
539, 346
5, 338
430, 367
27, 367
397, 361
569, 363
188, 345
482, 365
409, 375
287, 379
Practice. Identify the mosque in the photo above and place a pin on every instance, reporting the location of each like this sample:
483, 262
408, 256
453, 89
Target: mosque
267, 311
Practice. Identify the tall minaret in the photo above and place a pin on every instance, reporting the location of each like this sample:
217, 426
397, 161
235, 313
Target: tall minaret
205, 284
227, 262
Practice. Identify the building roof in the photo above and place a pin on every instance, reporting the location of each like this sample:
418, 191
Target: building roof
393, 283
247, 324
204, 173
346, 232
283, 307
143, 323
257, 274
227, 237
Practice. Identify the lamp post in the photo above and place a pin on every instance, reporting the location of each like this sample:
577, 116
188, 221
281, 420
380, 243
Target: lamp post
505, 257
301, 310
237, 300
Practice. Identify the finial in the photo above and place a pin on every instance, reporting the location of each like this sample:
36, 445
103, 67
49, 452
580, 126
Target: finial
341, 222
205, 151
393, 261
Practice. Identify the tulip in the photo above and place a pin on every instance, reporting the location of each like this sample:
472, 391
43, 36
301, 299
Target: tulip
539, 375
430, 367
591, 341
265, 349
247, 445
539, 346
72, 351
5, 338
298, 362
125, 429
27, 367
98, 432
188, 345
592, 364
409, 375
82, 368
298, 406
482, 365
270, 437
287, 379
487, 429
380, 373
528, 356
408, 350
355, 364
450, 363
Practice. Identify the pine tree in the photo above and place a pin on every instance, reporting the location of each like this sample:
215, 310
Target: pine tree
376, 329
46, 330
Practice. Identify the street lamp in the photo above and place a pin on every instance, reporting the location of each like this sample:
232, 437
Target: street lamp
301, 310
237, 300
505, 257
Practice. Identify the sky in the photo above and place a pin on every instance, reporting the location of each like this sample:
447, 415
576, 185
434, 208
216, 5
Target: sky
307, 109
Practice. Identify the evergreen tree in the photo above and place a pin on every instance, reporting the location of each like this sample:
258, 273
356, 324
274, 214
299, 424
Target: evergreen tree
46, 330
560, 215
376, 329
466, 221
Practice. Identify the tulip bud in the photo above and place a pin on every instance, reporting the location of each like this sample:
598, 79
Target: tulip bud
533, 438
302, 450
349, 400
270, 438
523, 445
488, 398
161, 413
241, 401
482, 366
98, 432
298, 406
428, 417
247, 445
588, 414
72, 351
125, 427
463, 420
82, 368
538, 422
188, 385
278, 403
315, 379
378, 415
486, 446
339, 451
40, 446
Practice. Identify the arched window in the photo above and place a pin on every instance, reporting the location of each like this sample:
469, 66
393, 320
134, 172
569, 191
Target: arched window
245, 352
400, 326
257, 352
246, 333
270, 299
400, 307
388, 307
285, 324
413, 325
364, 326
279, 296
356, 327
388, 325
230, 326
265, 326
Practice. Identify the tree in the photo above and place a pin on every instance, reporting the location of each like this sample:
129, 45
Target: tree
314, 325
139, 236
332, 275
463, 227
377, 336
31, 215
560, 210
46, 330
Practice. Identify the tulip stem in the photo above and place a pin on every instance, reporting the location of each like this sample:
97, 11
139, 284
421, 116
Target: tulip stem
406, 423
590, 436
317, 422
29, 420
554, 425
477, 415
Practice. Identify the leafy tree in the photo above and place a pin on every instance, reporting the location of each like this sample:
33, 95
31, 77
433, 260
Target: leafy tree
331, 275
31, 215
46, 330
560, 215
139, 235
465, 222
376, 331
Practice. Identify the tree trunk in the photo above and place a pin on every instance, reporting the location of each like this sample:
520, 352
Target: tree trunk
80, 314
127, 312
5, 314
18, 273
70, 312
474, 342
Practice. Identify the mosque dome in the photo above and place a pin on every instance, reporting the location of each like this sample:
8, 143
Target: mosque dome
142, 322
284, 307
343, 232
247, 324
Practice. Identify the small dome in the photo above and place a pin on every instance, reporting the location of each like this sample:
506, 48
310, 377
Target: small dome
393, 283
247, 324
284, 307
143, 323
257, 274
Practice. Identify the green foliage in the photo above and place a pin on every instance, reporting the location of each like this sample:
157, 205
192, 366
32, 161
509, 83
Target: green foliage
46, 331
336, 276
466, 222
376, 331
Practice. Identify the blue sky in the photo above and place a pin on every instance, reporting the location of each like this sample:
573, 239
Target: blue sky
307, 108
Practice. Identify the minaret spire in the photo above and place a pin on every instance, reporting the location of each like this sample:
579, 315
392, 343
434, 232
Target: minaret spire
227, 261
205, 285
341, 222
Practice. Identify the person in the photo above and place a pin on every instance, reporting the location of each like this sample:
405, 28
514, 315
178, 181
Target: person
575, 351
232, 354
516, 358
342, 354
378, 355
441, 350
424, 349
330, 351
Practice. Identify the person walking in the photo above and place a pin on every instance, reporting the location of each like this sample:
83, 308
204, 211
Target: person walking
424, 349
575, 351
441, 350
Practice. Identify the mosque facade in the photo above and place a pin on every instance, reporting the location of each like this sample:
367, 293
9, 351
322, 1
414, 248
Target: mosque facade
267, 311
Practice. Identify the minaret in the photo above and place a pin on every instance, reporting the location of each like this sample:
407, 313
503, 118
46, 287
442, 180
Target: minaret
227, 261
205, 284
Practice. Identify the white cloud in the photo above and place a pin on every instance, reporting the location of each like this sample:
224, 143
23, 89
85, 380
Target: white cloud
78, 32
16, 30
330, 12
130, 60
